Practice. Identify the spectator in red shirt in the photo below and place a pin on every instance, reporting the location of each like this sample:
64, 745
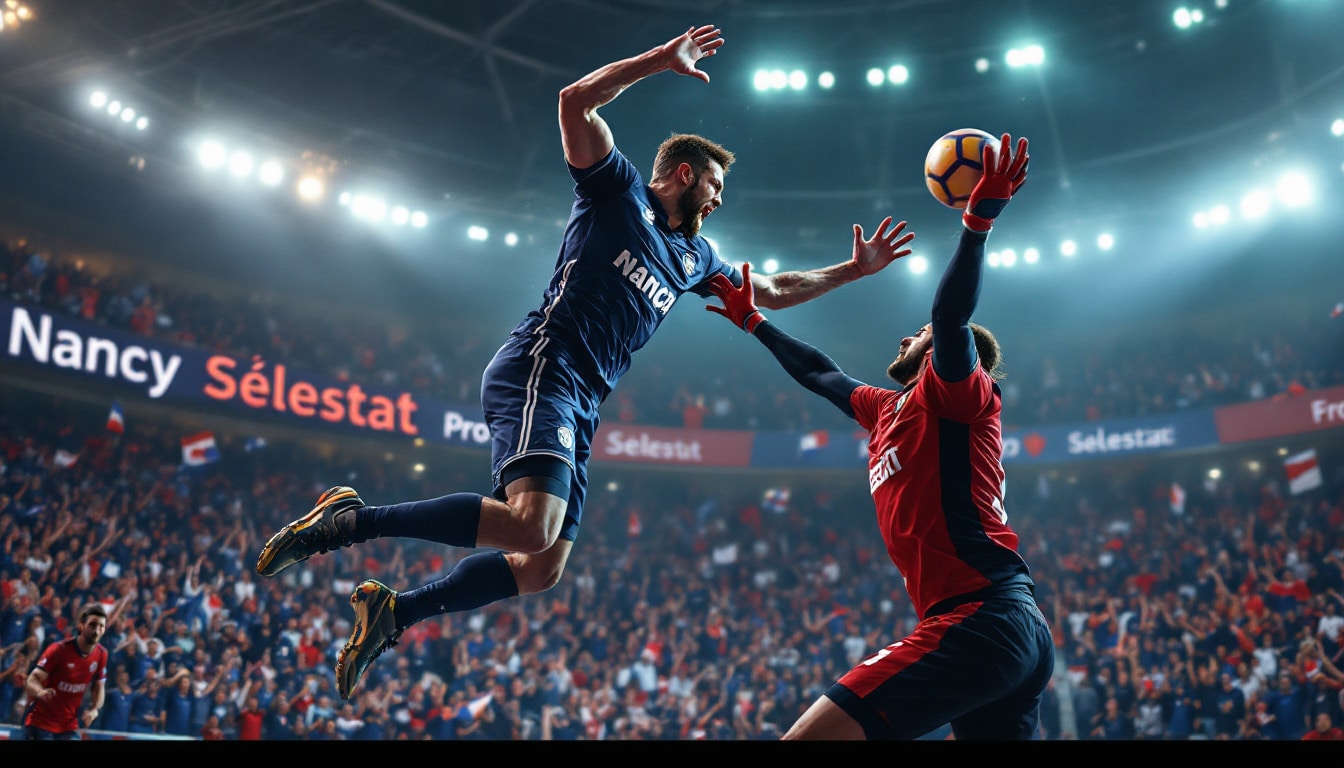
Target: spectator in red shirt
1325, 730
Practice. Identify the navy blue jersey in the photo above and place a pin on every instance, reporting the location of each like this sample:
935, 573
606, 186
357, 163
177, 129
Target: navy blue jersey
619, 272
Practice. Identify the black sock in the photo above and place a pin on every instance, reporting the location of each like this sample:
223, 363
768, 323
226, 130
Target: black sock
477, 580
451, 519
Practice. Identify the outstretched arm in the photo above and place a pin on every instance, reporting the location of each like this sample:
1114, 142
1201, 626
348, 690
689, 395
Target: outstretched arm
954, 355
870, 256
584, 135
807, 365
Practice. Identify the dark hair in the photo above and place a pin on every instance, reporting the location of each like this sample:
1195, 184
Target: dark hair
987, 347
688, 148
92, 609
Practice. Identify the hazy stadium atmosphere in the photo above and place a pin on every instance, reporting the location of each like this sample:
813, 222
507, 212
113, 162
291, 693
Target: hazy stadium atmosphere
209, 205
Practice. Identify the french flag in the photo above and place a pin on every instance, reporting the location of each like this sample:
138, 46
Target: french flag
116, 419
1304, 472
199, 449
813, 441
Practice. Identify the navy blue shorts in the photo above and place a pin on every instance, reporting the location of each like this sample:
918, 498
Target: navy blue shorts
981, 666
535, 405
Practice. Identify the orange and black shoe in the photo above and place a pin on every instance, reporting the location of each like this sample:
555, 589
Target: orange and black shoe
330, 525
375, 631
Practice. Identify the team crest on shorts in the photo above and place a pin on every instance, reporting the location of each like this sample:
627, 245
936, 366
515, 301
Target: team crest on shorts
566, 436
688, 263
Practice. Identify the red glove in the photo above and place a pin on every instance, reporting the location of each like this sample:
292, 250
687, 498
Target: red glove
1003, 176
739, 304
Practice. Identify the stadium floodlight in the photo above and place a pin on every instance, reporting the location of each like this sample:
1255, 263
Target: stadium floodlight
761, 80
1200, 220
779, 79
127, 115
212, 154
876, 76
271, 173
419, 219
511, 239
1068, 249
114, 107
770, 266
982, 65
1337, 127
1009, 257
993, 260
98, 99
1255, 204
898, 74
1105, 241
917, 263
400, 215
826, 80
1294, 190
310, 189
797, 79
141, 123
478, 233
1026, 56
1031, 255
240, 164
1219, 215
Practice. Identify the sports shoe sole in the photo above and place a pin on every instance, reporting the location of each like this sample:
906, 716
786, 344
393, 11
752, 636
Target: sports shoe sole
284, 535
348, 672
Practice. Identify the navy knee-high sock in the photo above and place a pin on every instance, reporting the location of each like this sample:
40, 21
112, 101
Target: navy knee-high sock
452, 519
477, 580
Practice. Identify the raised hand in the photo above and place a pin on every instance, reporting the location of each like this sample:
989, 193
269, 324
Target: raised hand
1005, 173
874, 254
685, 50
739, 304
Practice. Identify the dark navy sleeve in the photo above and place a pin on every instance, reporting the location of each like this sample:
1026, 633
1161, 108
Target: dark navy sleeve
612, 175
954, 356
809, 366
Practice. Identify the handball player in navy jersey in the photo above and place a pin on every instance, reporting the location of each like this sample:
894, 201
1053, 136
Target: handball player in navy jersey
631, 249
981, 655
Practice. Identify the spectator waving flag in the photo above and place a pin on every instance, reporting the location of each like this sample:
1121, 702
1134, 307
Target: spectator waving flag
116, 419
776, 500
1337, 310
63, 458
1177, 499
813, 441
199, 449
1304, 473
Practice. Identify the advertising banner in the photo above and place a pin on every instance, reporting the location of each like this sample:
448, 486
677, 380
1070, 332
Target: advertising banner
1281, 415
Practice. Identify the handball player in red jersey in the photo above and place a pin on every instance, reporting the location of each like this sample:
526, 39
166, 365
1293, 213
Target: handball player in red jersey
981, 655
65, 671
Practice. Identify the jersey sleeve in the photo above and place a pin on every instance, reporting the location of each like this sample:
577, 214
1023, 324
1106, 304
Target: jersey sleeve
963, 401
717, 266
608, 177
867, 400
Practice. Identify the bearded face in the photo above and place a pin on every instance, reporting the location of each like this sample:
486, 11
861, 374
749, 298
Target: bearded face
691, 206
905, 368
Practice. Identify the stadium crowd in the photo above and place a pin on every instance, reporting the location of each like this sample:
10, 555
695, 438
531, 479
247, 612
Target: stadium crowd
698, 607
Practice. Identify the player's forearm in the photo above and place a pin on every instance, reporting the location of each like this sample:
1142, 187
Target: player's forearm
788, 289
604, 84
33, 687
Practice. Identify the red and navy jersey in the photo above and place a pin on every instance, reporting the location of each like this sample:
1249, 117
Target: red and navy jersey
70, 673
619, 272
935, 472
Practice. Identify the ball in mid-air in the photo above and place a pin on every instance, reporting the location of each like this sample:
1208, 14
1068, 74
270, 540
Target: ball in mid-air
955, 164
